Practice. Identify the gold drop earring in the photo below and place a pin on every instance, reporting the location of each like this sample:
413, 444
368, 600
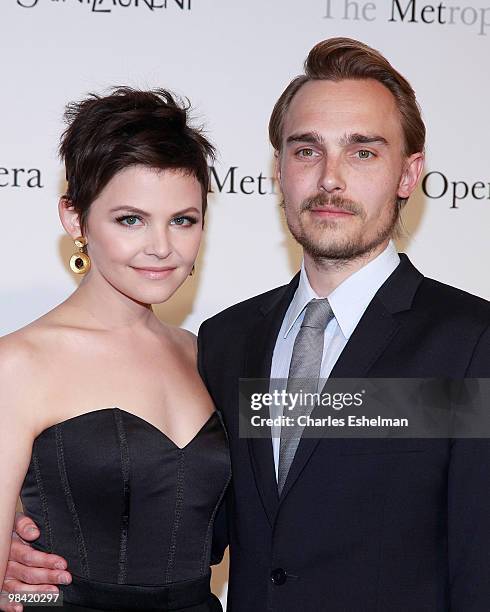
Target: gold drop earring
80, 262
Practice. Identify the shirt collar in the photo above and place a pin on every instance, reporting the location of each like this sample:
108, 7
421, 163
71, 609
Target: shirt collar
351, 298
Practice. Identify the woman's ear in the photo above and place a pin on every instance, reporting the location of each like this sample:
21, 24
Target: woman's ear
69, 217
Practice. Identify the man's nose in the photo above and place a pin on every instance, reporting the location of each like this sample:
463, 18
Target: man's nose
331, 179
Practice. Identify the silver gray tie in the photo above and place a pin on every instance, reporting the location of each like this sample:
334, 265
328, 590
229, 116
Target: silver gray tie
304, 373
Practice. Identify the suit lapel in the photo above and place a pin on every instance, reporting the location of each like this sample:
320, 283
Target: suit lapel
373, 334
260, 348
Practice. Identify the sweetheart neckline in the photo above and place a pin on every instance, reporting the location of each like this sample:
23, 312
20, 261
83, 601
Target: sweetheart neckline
139, 418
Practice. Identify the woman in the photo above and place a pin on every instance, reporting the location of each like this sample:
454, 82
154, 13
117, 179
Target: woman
120, 454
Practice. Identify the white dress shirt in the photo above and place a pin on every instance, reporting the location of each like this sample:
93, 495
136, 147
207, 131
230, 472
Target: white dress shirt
348, 302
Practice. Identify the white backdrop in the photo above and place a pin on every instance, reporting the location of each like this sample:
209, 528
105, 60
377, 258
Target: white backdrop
233, 58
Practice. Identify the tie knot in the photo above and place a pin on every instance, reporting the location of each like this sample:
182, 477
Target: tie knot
318, 314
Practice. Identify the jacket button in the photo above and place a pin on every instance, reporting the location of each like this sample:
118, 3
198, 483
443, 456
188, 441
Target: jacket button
279, 576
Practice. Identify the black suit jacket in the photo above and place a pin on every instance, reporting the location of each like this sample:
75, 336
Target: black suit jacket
362, 525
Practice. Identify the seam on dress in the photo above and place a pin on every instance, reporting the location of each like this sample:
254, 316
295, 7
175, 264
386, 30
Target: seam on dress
44, 501
82, 551
179, 499
123, 538
206, 554
204, 569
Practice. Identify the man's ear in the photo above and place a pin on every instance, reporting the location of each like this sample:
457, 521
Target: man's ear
69, 217
410, 177
277, 166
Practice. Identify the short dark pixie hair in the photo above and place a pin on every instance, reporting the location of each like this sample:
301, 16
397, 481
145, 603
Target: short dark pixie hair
128, 127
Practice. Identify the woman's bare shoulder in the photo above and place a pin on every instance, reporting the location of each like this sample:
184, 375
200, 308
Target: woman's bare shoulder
182, 338
19, 375
187, 339
29, 363
20, 354
23, 352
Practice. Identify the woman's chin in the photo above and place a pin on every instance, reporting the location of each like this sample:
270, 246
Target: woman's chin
159, 293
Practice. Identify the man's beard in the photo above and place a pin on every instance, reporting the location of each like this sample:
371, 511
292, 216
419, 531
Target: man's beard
332, 248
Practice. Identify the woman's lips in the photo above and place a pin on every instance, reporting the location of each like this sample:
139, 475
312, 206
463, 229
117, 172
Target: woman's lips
154, 273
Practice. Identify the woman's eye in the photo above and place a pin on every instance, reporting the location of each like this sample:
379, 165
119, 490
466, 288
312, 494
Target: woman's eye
363, 154
129, 220
183, 221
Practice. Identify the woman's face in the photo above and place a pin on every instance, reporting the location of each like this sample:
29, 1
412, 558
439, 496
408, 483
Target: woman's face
144, 231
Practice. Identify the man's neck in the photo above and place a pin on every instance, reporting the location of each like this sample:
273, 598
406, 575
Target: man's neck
325, 275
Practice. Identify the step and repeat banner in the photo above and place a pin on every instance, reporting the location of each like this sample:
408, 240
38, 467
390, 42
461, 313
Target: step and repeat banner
232, 59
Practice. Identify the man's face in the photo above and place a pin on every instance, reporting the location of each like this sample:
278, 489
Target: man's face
342, 167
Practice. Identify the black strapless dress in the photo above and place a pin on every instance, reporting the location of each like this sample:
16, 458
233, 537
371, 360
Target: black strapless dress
130, 511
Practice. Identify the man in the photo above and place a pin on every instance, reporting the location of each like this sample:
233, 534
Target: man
336, 525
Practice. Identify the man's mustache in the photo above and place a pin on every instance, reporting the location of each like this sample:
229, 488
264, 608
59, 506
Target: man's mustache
322, 200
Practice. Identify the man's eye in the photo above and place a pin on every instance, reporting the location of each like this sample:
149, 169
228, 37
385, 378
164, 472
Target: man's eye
306, 152
363, 154
129, 220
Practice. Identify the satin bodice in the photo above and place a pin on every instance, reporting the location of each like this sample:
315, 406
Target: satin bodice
122, 502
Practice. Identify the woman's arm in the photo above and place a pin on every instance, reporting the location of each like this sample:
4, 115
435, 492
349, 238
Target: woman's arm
20, 411
27, 570
17, 431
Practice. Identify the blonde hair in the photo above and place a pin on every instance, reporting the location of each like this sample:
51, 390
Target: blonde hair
337, 59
